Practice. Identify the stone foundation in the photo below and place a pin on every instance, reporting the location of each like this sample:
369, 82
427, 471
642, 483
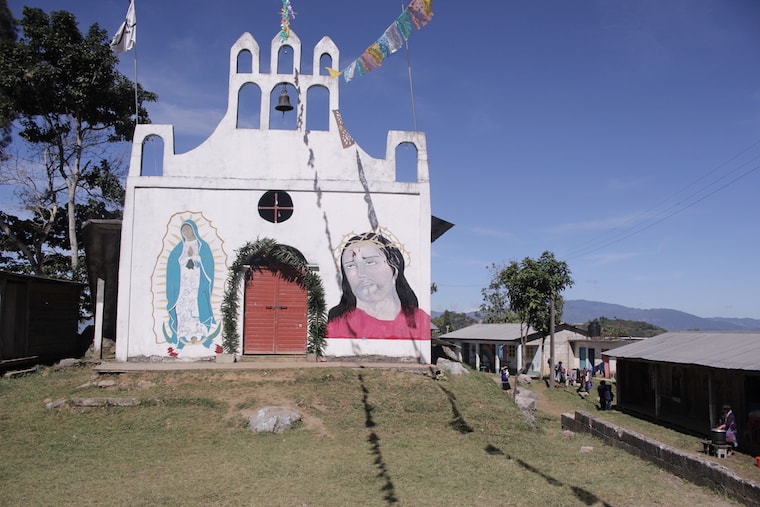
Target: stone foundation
701, 471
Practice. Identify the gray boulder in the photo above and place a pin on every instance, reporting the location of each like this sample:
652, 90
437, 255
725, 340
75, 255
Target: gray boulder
452, 367
526, 393
449, 352
66, 363
525, 403
273, 419
523, 379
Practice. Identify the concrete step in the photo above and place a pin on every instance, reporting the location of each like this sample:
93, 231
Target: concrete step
275, 358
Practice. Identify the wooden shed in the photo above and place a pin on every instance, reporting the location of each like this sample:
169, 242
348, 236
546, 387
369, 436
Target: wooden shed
39, 320
682, 379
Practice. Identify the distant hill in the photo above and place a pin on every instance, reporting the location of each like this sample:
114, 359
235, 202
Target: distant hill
581, 310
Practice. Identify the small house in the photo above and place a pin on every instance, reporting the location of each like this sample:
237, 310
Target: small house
487, 347
682, 379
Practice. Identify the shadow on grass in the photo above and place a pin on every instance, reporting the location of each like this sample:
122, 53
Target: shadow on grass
581, 494
457, 421
374, 440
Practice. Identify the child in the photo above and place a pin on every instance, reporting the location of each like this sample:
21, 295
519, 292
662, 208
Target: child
505, 379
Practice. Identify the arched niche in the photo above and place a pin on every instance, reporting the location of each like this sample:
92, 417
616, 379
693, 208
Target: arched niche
244, 62
325, 60
249, 107
152, 163
406, 162
285, 60
317, 108
279, 120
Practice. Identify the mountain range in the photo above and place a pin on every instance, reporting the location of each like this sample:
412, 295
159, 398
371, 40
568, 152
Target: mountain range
580, 310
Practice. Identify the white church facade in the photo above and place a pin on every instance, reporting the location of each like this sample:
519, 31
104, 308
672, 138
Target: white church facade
197, 272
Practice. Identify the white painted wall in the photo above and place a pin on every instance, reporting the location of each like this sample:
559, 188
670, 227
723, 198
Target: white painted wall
222, 181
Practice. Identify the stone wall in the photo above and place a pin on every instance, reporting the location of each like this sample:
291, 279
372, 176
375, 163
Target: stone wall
694, 468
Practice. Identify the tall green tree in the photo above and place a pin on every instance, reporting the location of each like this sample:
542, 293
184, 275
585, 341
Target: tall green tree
532, 289
8, 32
496, 308
69, 105
451, 321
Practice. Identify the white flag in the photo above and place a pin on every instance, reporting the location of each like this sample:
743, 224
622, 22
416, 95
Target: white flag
126, 36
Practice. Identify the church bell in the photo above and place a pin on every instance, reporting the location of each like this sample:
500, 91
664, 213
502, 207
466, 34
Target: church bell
284, 103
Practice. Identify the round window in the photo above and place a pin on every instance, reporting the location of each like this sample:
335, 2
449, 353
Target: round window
275, 206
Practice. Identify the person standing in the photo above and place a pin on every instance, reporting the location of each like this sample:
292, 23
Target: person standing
605, 395
559, 374
728, 423
505, 379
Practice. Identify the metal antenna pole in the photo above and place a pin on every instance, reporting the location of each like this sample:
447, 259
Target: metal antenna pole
411, 85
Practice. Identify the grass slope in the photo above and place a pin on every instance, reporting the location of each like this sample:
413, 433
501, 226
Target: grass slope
369, 437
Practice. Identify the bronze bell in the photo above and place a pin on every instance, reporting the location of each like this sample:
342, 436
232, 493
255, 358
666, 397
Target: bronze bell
284, 103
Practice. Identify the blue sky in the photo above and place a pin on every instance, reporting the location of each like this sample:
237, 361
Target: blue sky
624, 136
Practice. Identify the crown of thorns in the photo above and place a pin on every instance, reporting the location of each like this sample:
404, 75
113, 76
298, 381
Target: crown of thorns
372, 238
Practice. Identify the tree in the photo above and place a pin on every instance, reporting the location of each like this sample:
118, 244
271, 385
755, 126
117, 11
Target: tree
496, 308
69, 104
451, 321
8, 31
531, 289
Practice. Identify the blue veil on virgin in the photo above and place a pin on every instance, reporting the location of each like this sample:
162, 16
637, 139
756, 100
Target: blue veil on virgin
189, 285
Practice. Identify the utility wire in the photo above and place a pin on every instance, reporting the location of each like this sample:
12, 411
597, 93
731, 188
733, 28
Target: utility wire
649, 218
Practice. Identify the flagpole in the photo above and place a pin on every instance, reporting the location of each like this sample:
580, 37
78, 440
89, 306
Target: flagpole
137, 111
409, 69
137, 115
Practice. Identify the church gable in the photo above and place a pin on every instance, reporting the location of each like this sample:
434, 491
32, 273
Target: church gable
365, 234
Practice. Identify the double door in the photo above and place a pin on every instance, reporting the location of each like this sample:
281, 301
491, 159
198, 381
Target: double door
274, 314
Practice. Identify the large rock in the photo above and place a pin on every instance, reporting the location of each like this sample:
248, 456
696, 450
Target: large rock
67, 363
525, 403
526, 393
453, 367
273, 419
523, 379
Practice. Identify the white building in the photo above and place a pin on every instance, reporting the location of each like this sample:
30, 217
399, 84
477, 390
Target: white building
488, 347
214, 213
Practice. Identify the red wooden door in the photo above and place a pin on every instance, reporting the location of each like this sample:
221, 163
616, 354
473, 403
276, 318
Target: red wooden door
274, 315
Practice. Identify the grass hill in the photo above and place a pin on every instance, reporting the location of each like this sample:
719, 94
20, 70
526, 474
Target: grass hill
369, 437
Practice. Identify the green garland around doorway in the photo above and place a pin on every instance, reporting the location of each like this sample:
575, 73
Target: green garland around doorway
267, 252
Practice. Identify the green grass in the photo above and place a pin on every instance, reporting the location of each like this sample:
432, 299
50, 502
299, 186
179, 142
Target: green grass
369, 437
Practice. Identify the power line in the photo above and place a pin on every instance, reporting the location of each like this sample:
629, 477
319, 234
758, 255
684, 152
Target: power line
651, 217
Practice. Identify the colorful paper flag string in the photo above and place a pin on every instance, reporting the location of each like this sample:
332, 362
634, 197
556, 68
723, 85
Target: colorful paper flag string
286, 14
416, 15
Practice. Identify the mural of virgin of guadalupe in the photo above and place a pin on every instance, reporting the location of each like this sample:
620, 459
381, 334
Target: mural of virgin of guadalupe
377, 301
189, 284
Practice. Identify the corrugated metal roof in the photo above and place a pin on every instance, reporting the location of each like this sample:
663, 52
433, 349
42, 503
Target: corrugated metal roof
487, 332
727, 350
